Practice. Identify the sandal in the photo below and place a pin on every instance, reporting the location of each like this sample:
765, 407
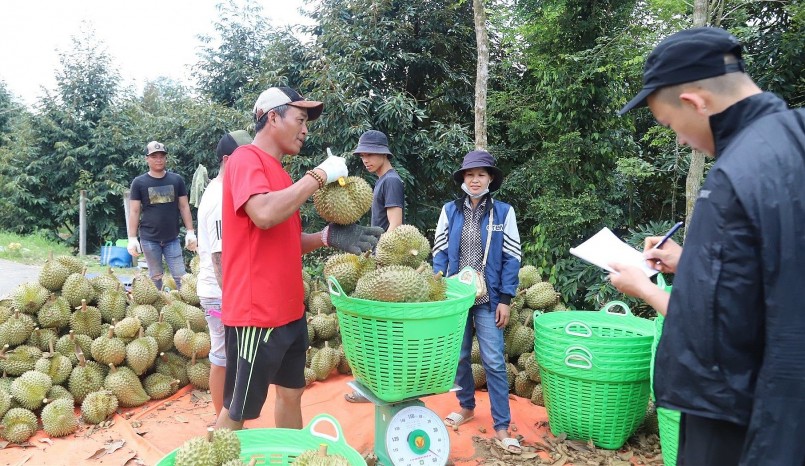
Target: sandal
512, 445
456, 419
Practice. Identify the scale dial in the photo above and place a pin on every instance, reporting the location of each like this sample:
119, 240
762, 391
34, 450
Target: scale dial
417, 436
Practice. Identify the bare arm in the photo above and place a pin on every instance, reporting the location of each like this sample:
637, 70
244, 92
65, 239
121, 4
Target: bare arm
272, 208
395, 216
311, 241
184, 210
134, 217
218, 269
633, 281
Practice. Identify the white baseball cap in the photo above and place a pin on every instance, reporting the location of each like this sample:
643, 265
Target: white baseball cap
275, 96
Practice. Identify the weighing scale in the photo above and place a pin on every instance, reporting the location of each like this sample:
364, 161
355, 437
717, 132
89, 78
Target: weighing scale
407, 433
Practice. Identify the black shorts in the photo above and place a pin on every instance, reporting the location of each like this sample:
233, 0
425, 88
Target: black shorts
704, 441
263, 356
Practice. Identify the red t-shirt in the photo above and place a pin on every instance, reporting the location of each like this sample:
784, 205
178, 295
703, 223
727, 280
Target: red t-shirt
262, 269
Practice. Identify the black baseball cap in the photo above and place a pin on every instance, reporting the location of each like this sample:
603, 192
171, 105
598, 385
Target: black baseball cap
687, 56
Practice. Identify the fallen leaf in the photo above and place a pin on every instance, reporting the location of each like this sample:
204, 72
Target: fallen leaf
46, 440
527, 455
108, 449
3, 444
180, 419
561, 461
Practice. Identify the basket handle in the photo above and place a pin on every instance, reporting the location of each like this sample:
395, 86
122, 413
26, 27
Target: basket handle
333, 282
626, 310
583, 349
329, 419
584, 363
571, 329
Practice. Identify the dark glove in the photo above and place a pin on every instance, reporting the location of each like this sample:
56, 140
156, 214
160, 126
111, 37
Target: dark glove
352, 238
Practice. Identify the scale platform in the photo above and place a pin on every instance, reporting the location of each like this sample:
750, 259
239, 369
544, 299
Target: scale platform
407, 433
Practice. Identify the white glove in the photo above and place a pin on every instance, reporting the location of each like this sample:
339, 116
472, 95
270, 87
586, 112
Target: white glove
134, 246
335, 167
190, 241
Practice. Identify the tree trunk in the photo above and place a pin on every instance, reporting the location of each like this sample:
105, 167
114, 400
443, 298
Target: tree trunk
693, 182
481, 74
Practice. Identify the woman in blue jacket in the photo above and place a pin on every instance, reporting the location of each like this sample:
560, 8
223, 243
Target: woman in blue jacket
481, 232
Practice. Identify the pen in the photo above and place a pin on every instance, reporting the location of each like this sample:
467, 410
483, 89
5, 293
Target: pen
668, 235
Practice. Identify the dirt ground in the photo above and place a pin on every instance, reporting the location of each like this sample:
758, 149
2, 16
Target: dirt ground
144, 435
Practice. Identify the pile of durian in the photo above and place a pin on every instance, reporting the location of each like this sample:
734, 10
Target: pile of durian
69, 341
218, 448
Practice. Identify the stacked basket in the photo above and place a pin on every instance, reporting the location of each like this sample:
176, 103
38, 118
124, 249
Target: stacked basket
595, 372
667, 419
404, 350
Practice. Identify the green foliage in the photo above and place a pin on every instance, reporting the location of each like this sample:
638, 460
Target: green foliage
30, 249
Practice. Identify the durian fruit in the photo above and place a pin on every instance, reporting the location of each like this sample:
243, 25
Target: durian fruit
18, 425
55, 313
128, 329
169, 283
30, 389
198, 451
56, 365
57, 392
347, 269
325, 326
159, 386
511, 373
528, 276
97, 406
174, 312
324, 361
141, 353
19, 360
198, 371
58, 418
87, 377
73, 264
29, 297
519, 340
188, 290
126, 386
5, 402
523, 386
478, 375
143, 290
189, 342
226, 445
343, 364
86, 320
162, 332
345, 204
173, 365
104, 282
195, 264
53, 274
70, 344
16, 329
475, 351
650, 424
108, 348
77, 288
319, 458
5, 313
42, 337
396, 284
146, 313
195, 316
541, 296
437, 286
112, 303
537, 396
5, 383
404, 245
319, 302
310, 376
532, 369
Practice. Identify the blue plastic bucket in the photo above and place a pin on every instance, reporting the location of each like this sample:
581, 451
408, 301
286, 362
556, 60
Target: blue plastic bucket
115, 256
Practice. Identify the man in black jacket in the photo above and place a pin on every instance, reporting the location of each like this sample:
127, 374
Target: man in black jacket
732, 356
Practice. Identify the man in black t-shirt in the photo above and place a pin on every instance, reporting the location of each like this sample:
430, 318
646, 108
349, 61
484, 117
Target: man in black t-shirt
161, 197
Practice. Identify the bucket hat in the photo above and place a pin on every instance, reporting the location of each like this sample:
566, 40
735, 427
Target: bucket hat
480, 159
373, 142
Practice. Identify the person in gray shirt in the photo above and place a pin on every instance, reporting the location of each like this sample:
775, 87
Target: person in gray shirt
388, 200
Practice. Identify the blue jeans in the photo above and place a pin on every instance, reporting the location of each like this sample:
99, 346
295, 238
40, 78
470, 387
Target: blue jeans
172, 251
490, 339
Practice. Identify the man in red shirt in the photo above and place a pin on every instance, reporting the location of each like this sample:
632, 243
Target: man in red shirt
263, 294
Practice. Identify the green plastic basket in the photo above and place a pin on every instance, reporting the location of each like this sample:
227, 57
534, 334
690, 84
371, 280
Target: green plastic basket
607, 413
282, 446
404, 350
578, 361
667, 419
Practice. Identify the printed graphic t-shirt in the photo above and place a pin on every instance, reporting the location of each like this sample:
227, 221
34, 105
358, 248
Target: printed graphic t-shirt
159, 200
262, 268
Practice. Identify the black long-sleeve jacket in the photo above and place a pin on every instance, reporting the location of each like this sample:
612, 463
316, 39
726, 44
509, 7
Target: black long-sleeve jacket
733, 344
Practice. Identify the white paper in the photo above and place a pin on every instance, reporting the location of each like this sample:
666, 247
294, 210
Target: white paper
604, 248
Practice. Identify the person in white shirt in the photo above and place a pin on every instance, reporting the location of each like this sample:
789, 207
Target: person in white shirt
210, 276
